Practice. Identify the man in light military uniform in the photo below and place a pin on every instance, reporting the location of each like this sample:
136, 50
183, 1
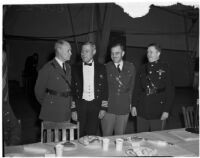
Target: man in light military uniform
52, 87
90, 93
121, 78
153, 95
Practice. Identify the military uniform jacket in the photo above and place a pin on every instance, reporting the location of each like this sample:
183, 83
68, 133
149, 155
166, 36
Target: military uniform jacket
120, 86
154, 91
100, 85
54, 108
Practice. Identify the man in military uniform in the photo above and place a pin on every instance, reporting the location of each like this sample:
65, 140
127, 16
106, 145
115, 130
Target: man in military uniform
90, 93
52, 87
121, 78
153, 95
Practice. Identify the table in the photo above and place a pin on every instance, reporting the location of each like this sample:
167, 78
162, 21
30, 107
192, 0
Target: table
180, 147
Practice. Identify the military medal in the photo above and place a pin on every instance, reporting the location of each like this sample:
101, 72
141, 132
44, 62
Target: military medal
160, 71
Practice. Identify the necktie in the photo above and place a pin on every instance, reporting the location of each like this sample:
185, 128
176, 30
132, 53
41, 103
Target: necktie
88, 64
118, 68
64, 67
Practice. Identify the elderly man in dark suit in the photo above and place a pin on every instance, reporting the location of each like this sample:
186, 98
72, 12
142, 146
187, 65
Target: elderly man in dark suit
52, 87
90, 93
121, 78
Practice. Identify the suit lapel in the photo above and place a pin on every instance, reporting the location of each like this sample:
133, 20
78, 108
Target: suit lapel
58, 68
124, 73
124, 68
80, 75
95, 76
114, 69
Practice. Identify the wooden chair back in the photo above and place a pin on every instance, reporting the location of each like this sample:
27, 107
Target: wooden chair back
189, 117
58, 131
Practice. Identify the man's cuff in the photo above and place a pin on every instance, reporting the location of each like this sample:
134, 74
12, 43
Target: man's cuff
133, 105
73, 106
104, 105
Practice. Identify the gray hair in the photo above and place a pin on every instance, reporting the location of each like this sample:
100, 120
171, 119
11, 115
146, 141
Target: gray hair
59, 43
93, 46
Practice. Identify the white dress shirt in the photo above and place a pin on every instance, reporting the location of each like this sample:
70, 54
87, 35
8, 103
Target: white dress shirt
88, 82
121, 64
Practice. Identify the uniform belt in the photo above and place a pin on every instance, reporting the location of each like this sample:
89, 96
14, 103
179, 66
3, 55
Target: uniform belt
160, 90
156, 91
60, 94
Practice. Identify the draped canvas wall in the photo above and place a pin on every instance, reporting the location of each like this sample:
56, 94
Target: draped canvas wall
91, 21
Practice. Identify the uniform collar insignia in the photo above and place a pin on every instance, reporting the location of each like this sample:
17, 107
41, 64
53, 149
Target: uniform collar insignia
160, 71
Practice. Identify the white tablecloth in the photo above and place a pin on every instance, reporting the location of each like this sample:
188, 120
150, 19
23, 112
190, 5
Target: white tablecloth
180, 147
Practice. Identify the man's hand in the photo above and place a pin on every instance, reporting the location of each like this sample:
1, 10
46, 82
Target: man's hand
133, 111
74, 116
101, 114
164, 116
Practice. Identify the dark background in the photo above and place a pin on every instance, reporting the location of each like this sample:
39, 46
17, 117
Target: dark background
29, 29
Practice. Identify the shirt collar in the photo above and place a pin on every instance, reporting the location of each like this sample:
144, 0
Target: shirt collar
91, 61
59, 61
121, 64
155, 62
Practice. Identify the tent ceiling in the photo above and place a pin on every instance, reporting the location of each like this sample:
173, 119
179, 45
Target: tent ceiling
53, 20
165, 24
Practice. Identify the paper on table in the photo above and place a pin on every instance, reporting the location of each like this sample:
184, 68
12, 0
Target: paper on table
158, 136
174, 151
184, 135
164, 137
36, 148
15, 155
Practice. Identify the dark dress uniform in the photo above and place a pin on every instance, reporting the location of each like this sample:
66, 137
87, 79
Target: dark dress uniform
153, 93
88, 111
52, 90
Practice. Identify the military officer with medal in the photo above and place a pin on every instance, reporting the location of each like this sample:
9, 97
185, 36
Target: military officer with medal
154, 92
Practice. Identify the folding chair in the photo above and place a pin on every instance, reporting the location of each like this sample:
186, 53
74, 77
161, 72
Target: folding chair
190, 117
50, 131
